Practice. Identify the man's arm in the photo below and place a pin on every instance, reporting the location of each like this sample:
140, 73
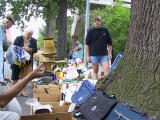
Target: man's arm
109, 44
110, 52
88, 42
78, 48
87, 54
6, 43
9, 94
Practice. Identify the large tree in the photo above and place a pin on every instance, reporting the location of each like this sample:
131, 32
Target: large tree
62, 29
137, 78
63, 5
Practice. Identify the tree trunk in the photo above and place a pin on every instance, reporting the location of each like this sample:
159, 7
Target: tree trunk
51, 22
62, 30
50, 28
137, 78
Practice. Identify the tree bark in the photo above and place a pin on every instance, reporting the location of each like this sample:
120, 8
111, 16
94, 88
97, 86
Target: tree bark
51, 26
137, 78
51, 23
62, 30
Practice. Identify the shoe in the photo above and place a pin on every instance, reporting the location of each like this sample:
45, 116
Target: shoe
24, 95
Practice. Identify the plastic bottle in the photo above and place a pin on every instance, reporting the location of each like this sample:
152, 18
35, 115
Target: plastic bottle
74, 65
60, 78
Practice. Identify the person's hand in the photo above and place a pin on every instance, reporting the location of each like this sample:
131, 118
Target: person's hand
110, 56
39, 71
7, 79
27, 49
88, 59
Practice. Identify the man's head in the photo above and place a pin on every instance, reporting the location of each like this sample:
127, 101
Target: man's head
28, 34
97, 22
70, 50
8, 22
77, 42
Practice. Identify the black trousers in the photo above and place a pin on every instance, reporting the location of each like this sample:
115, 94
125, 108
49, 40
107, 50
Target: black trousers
15, 72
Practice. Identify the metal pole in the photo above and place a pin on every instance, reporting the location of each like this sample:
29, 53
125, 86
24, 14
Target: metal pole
86, 28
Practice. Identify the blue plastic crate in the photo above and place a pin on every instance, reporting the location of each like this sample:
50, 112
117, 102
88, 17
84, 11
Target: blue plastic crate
84, 92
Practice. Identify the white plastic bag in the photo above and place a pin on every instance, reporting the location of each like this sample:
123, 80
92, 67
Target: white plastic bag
37, 106
11, 56
32, 102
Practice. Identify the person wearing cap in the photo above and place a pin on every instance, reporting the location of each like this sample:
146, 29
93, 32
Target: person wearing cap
97, 40
29, 44
6, 24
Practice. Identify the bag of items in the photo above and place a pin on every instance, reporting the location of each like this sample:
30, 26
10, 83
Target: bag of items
16, 54
125, 111
98, 106
11, 55
85, 91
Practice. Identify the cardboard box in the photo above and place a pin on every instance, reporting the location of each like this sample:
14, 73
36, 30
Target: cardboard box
56, 107
59, 113
54, 116
46, 88
51, 97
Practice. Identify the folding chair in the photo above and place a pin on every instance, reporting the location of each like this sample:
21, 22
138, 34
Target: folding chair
115, 63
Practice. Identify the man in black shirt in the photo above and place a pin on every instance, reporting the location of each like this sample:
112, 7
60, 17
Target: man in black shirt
97, 40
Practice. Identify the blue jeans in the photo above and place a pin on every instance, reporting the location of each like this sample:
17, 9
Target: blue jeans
99, 59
